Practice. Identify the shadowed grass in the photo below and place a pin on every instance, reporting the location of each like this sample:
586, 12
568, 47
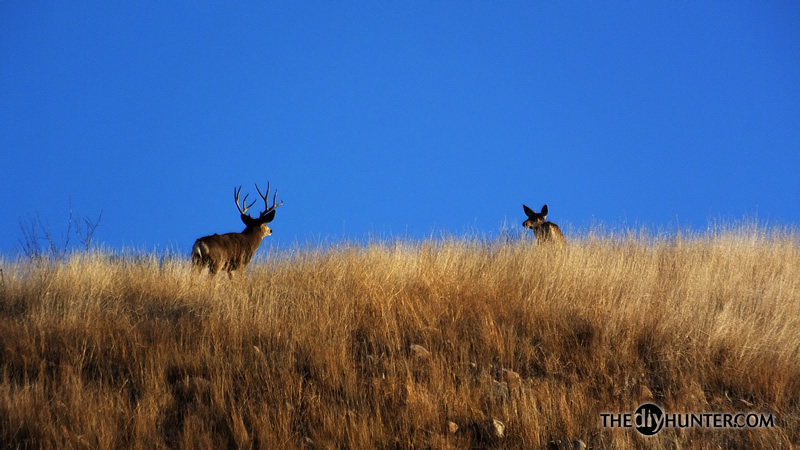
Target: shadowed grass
317, 347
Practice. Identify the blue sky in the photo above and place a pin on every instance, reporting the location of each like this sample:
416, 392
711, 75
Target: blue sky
396, 118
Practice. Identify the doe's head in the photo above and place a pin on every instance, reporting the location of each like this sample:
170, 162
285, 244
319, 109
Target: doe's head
534, 219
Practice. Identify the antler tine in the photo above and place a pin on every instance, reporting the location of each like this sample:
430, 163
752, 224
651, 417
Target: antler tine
236, 198
245, 202
274, 197
236, 193
265, 196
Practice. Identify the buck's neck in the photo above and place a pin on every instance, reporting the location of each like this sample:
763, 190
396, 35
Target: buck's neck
255, 234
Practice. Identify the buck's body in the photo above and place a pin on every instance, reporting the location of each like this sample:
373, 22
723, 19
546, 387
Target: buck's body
233, 251
545, 232
228, 251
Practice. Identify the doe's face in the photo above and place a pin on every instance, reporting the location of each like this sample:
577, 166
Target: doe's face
534, 219
533, 222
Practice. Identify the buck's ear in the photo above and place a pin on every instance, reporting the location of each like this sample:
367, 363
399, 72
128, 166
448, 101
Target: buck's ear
247, 220
544, 210
267, 218
528, 212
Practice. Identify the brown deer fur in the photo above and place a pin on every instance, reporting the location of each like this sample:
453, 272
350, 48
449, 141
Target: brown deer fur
228, 251
233, 251
544, 231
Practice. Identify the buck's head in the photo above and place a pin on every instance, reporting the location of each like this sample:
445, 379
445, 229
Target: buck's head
534, 219
259, 225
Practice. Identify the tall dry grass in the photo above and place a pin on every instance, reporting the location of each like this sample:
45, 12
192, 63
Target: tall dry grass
383, 345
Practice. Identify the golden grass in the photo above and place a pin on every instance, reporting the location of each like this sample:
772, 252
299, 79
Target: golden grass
316, 348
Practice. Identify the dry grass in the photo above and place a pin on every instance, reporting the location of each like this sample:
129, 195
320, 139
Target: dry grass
316, 347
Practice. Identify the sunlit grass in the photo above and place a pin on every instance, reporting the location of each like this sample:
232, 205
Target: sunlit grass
318, 347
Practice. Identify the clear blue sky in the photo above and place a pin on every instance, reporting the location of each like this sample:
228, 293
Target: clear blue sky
396, 118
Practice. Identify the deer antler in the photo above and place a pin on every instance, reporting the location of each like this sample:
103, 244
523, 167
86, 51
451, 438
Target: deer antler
268, 209
244, 203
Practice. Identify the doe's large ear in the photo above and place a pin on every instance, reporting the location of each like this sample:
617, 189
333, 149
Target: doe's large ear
267, 218
544, 210
528, 212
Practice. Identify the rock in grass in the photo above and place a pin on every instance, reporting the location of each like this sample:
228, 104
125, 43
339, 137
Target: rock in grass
419, 352
452, 427
512, 379
499, 392
498, 429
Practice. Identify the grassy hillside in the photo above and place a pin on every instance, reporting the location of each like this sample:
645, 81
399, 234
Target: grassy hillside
395, 345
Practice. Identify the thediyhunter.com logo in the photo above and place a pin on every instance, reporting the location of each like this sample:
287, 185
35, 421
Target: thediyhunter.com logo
649, 419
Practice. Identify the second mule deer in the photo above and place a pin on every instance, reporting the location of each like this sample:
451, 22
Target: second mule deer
543, 230
233, 251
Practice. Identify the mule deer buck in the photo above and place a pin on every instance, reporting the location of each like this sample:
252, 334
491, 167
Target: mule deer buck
544, 231
233, 251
